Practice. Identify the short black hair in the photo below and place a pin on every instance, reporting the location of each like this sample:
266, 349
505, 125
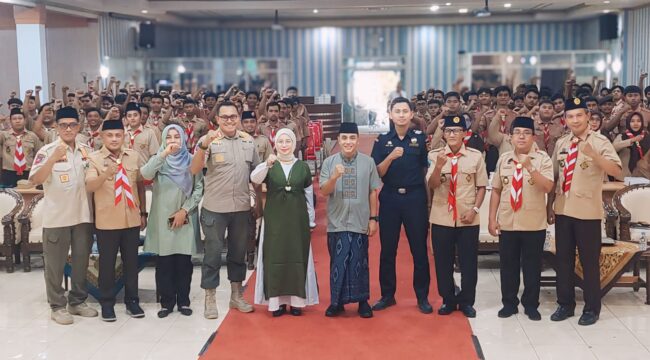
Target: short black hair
143, 105
557, 96
435, 101
400, 100
292, 88
272, 103
484, 90
92, 109
591, 99
252, 93
156, 96
467, 94
545, 101
120, 98
146, 95
86, 95
226, 103
502, 88
618, 87
439, 92
452, 94
14, 101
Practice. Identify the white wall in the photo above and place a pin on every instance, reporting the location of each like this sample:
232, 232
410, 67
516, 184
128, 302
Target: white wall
71, 51
8, 66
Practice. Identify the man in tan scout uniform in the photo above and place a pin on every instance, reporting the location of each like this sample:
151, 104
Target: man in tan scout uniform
138, 138
194, 126
114, 177
93, 129
19, 146
61, 168
229, 156
547, 127
580, 161
521, 181
458, 179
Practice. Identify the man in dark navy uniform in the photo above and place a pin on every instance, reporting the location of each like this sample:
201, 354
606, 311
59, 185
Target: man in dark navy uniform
401, 158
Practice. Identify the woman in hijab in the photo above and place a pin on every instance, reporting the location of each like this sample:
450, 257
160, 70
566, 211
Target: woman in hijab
285, 266
173, 221
633, 144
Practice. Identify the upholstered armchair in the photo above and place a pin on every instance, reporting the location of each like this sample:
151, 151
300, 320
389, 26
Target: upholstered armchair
31, 230
10, 205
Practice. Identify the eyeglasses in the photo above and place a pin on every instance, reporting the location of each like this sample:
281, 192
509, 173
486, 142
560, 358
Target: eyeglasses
231, 118
522, 132
453, 131
66, 126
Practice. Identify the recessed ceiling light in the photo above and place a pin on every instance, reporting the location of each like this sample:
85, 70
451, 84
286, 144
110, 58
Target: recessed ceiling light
315, 11
434, 8
447, 4
145, 11
606, 11
462, 11
507, 5
606, 2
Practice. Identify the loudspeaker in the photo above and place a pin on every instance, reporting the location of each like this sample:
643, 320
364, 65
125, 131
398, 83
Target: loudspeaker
147, 38
608, 26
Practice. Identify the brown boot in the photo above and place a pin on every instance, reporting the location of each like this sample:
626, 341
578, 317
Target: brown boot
210, 310
236, 299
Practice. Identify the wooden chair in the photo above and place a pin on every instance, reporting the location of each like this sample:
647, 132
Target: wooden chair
31, 232
631, 204
10, 205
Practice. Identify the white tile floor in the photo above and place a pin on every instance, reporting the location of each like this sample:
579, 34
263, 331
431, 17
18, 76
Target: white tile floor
26, 331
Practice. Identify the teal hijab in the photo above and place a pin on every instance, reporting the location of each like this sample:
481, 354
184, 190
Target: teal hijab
177, 166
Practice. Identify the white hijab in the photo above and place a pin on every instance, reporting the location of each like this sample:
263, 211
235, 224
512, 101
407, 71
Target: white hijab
286, 158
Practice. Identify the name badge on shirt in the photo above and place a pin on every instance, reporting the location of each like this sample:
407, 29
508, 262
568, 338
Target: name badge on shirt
389, 143
414, 143
64, 178
584, 165
218, 158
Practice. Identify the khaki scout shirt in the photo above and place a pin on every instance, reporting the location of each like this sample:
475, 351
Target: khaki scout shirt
229, 163
31, 144
52, 135
267, 130
471, 175
65, 200
486, 119
200, 126
145, 143
585, 199
88, 134
263, 147
111, 216
556, 131
532, 214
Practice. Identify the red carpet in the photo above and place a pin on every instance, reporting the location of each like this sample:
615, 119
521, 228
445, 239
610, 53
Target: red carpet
400, 331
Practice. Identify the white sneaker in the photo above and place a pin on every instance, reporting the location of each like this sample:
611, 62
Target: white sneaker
62, 317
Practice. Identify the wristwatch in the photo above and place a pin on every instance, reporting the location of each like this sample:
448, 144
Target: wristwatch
376, 218
476, 210
200, 145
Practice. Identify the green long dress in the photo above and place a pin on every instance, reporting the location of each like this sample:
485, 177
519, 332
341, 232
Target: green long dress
286, 231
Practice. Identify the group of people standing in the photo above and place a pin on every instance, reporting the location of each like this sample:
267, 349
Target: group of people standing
205, 156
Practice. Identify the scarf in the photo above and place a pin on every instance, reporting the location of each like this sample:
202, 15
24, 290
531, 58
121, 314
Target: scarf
637, 149
286, 158
177, 166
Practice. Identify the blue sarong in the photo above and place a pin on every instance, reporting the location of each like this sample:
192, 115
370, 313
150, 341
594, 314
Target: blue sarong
349, 275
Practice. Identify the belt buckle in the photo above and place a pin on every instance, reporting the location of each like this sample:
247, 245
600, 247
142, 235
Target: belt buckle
401, 191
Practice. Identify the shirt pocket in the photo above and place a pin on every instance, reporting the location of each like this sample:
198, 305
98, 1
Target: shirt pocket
248, 150
62, 174
219, 156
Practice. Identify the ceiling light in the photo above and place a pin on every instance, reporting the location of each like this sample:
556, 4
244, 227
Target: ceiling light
533, 60
462, 11
180, 69
606, 11
145, 11
104, 71
434, 8
616, 65
507, 5
315, 11
509, 59
606, 2
447, 4
600, 66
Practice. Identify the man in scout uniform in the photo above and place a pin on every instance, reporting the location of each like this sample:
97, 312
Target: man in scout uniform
458, 179
93, 129
19, 146
113, 176
401, 159
521, 181
264, 149
229, 156
61, 168
271, 127
156, 114
194, 126
547, 127
349, 179
580, 161
139, 138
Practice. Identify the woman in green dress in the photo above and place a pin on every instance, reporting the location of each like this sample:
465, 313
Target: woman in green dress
285, 265
173, 220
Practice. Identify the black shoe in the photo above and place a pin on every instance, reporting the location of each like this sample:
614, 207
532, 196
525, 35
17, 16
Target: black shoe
250, 260
185, 310
333, 311
365, 311
468, 311
507, 312
424, 306
446, 309
281, 311
561, 313
384, 302
108, 314
295, 311
134, 310
163, 313
588, 318
533, 314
